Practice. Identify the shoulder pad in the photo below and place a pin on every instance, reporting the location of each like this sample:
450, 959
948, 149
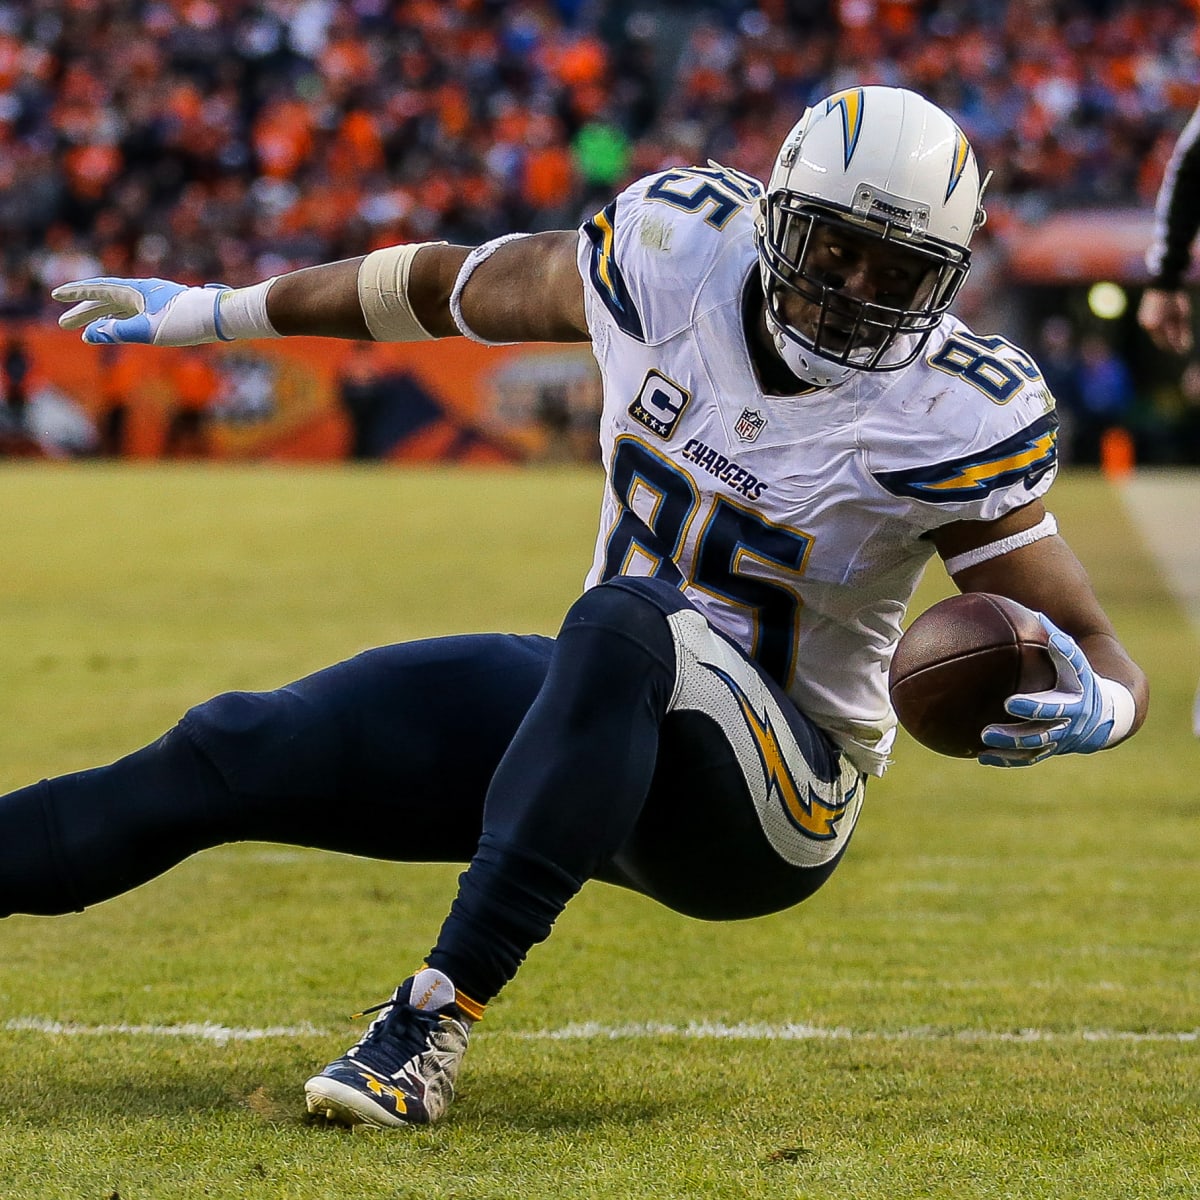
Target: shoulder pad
984, 422
646, 254
1027, 455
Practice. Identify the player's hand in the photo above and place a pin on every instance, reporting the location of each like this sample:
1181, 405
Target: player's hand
1166, 315
1081, 714
153, 312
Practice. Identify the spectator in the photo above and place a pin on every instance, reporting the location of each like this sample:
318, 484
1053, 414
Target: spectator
1106, 396
15, 367
196, 384
361, 396
1059, 362
125, 126
118, 379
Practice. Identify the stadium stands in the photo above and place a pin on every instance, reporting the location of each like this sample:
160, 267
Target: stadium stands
209, 139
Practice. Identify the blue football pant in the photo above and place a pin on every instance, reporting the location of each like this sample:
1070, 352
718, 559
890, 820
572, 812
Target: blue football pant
637, 747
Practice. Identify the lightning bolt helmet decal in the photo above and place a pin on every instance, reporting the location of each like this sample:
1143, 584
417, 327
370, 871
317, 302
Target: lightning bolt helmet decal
958, 164
850, 102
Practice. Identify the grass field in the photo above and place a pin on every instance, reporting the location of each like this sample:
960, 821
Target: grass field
996, 995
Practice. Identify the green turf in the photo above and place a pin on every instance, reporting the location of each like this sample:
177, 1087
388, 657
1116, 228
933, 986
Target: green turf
975, 904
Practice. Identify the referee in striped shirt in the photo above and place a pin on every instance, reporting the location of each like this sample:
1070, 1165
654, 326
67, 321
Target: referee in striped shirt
1165, 312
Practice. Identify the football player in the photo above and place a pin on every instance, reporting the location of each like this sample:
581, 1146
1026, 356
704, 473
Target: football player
793, 425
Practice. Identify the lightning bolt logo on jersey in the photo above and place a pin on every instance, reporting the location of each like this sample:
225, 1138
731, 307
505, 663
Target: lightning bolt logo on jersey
795, 524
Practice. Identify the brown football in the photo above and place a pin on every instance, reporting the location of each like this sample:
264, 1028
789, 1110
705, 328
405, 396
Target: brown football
959, 661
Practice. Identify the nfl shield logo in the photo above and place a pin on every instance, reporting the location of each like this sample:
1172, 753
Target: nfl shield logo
750, 424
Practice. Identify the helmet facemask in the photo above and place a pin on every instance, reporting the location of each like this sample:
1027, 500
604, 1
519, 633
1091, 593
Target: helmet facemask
839, 333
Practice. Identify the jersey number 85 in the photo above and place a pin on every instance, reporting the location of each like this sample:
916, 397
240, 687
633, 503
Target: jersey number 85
731, 552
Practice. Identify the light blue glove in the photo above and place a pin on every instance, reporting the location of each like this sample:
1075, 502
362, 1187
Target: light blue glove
153, 312
1082, 713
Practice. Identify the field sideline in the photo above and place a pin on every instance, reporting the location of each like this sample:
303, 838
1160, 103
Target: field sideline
994, 997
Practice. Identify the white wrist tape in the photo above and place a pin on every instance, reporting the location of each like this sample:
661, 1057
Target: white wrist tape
241, 313
1045, 528
475, 259
1119, 705
383, 294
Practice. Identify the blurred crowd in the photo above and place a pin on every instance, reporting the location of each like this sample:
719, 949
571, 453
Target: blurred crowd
226, 140
218, 139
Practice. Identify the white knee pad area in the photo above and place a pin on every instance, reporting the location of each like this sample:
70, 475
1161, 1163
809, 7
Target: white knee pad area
806, 819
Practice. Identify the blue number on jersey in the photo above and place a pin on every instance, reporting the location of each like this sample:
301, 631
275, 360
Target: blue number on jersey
720, 189
644, 478
975, 360
733, 539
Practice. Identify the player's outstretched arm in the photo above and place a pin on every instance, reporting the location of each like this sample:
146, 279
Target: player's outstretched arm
523, 289
1101, 695
519, 289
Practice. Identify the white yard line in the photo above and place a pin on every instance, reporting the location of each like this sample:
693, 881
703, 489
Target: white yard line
1165, 506
204, 1030
707, 1030
631, 1031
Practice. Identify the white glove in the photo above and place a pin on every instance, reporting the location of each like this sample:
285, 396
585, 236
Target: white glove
1082, 713
154, 312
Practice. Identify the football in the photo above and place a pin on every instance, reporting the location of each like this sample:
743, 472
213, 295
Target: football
959, 661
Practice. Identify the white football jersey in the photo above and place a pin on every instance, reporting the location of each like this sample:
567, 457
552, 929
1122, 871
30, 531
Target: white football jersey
794, 523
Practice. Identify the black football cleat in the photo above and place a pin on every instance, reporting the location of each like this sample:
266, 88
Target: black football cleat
403, 1069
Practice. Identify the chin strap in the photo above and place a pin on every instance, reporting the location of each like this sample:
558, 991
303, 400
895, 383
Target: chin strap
801, 363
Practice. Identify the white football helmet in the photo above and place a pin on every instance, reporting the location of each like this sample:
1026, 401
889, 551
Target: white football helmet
866, 166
